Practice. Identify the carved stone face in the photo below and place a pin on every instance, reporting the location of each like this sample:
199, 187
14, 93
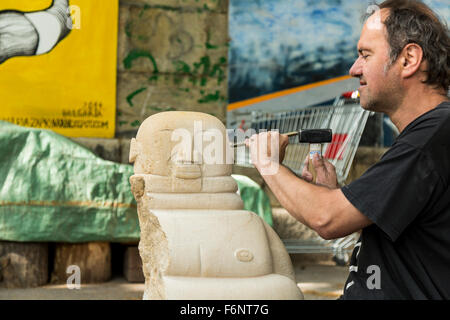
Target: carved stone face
186, 145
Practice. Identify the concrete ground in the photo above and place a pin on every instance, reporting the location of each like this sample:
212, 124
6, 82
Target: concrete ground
319, 279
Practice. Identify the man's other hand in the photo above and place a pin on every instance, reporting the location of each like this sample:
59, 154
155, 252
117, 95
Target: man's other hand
325, 172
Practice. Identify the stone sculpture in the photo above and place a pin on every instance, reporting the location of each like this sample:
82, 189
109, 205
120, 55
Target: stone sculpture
197, 242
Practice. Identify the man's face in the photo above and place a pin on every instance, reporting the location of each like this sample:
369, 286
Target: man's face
379, 82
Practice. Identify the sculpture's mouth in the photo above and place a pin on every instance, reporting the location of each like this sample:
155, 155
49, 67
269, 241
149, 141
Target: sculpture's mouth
187, 171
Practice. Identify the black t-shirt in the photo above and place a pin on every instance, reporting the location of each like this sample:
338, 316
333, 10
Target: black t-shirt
405, 253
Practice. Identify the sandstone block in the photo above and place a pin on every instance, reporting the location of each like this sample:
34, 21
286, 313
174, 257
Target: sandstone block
287, 227
196, 241
365, 157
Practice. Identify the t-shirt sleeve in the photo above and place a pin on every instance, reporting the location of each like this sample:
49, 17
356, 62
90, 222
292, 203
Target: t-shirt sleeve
393, 192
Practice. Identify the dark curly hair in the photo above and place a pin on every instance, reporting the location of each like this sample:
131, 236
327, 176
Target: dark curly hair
411, 21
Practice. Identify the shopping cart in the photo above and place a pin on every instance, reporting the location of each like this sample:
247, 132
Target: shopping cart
347, 120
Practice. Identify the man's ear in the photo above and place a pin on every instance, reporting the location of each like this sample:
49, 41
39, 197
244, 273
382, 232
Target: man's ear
411, 59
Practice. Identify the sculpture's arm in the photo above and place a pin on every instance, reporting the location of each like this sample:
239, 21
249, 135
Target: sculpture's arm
281, 261
137, 186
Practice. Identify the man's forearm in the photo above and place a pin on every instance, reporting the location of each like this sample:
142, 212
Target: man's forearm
324, 208
306, 202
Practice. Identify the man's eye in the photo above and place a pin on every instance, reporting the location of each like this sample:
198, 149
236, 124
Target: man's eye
365, 57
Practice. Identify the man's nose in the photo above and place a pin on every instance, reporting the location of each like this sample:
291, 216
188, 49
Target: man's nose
356, 69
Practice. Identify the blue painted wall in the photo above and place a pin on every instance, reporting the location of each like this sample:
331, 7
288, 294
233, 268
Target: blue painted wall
281, 44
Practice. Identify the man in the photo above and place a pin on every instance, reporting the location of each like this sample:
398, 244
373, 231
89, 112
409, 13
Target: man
402, 203
33, 33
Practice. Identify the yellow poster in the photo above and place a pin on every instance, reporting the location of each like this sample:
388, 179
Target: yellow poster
58, 63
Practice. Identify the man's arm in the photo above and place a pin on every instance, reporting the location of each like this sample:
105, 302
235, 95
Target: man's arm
325, 210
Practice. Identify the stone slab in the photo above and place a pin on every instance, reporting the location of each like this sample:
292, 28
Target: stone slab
365, 157
287, 227
107, 149
206, 5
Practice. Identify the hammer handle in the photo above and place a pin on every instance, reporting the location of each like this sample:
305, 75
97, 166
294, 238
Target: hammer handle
289, 134
313, 149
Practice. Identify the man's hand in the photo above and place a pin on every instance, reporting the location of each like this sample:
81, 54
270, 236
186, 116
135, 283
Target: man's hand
267, 150
325, 172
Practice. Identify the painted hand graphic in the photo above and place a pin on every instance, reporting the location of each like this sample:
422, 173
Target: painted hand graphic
33, 33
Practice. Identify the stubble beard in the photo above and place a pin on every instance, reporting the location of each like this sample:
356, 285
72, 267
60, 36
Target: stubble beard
385, 99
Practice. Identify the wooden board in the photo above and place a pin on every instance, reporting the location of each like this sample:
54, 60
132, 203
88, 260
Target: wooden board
23, 265
92, 258
132, 265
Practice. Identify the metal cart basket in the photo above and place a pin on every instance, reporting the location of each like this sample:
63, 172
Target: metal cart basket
347, 120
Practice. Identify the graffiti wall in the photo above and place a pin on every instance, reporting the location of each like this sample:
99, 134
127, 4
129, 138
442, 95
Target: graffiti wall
172, 55
277, 45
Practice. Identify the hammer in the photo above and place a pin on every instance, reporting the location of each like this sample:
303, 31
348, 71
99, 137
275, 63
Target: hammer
315, 138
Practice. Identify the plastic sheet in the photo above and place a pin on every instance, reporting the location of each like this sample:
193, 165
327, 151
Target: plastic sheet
54, 190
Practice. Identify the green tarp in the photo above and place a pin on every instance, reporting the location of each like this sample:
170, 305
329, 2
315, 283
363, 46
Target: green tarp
255, 199
52, 189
